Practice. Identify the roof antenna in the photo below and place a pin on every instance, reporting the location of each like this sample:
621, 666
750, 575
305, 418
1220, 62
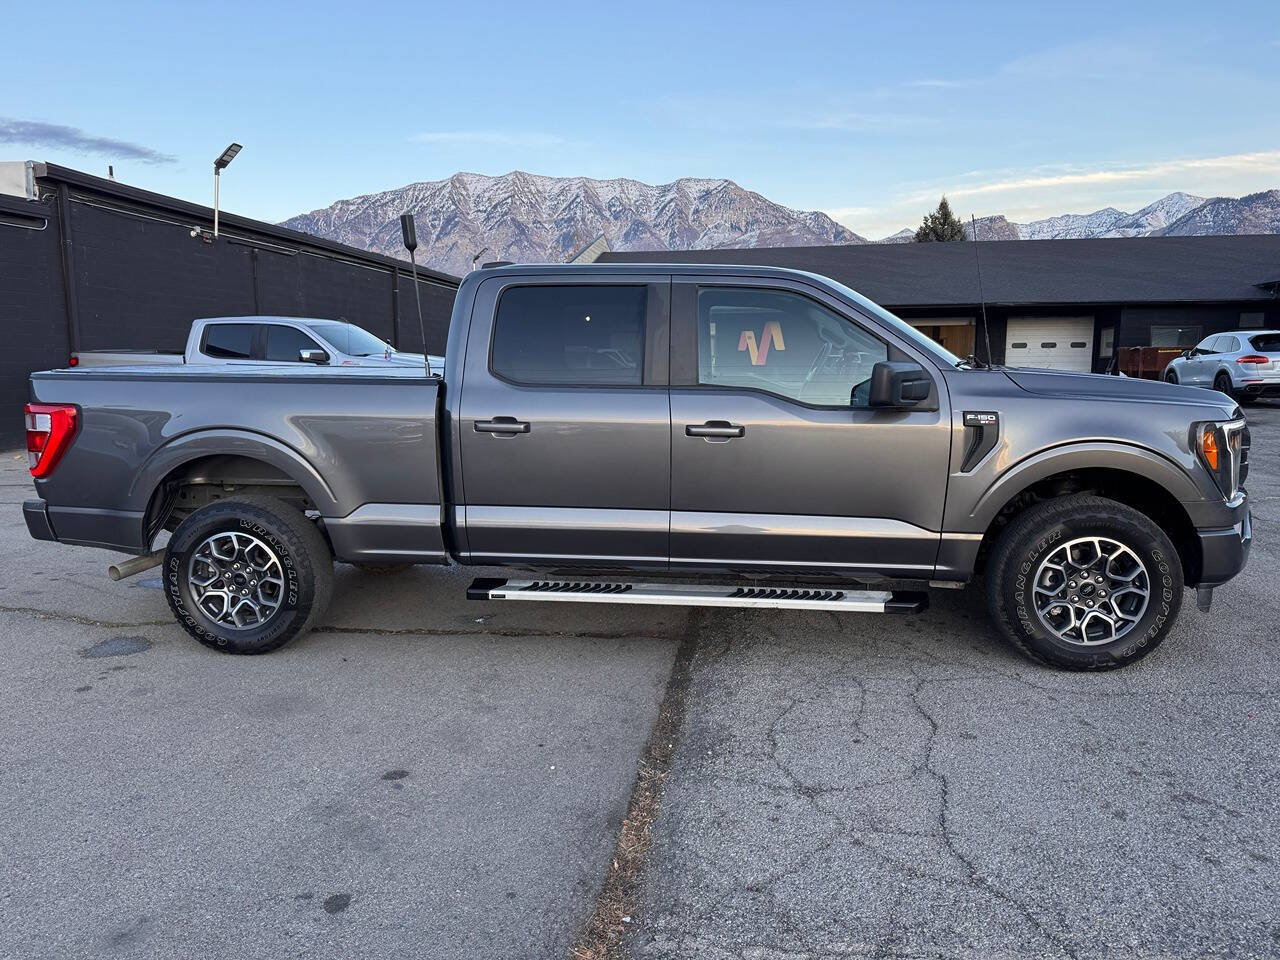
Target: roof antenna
409, 233
977, 260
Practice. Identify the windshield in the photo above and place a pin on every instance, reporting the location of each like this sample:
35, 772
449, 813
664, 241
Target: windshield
349, 339
928, 344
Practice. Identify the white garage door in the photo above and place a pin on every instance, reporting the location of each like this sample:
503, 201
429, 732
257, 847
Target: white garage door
1059, 343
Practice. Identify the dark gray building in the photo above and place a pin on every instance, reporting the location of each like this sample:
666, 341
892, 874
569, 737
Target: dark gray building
1065, 303
88, 263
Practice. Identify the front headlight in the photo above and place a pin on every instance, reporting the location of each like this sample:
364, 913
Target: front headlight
1223, 449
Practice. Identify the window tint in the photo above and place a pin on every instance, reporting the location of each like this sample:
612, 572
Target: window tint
570, 334
1228, 345
229, 341
783, 343
1266, 342
283, 343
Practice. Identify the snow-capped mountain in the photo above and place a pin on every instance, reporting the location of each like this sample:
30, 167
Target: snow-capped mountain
1154, 216
905, 235
1178, 214
528, 218
1072, 226
993, 228
1255, 213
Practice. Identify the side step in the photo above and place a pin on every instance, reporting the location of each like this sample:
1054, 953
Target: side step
700, 595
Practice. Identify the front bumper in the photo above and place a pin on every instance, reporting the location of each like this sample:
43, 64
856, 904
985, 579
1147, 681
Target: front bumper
1225, 550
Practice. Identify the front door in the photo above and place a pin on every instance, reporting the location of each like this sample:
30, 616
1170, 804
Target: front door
564, 425
777, 462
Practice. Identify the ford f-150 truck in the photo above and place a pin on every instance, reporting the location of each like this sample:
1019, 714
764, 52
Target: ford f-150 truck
722, 436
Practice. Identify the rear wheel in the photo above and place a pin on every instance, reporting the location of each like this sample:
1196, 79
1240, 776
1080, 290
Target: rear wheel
1222, 383
1171, 377
1084, 583
247, 575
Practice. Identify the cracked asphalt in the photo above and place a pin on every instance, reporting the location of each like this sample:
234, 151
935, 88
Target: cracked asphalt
884, 787
426, 776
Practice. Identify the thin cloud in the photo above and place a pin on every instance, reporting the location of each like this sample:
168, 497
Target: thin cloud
490, 138
57, 136
1260, 162
940, 83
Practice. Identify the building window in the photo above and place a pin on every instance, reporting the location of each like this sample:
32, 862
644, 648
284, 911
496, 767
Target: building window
1248, 320
1167, 335
1106, 341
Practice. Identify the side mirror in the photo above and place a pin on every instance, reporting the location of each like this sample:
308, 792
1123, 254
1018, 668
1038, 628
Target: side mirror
1186, 354
899, 385
313, 356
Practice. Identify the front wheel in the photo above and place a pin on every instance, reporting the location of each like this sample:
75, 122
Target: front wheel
1171, 377
247, 575
1084, 583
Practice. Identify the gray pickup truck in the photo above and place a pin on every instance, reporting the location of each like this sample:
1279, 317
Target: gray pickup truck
715, 436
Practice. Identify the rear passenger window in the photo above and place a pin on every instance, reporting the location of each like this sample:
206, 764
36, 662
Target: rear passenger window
570, 335
284, 343
229, 341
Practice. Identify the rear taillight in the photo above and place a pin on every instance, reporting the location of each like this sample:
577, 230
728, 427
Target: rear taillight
1253, 358
50, 429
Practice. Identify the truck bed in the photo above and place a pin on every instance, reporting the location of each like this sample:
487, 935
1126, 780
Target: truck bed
363, 449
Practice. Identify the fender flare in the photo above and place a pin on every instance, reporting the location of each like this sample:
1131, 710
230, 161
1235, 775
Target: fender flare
1097, 455
241, 443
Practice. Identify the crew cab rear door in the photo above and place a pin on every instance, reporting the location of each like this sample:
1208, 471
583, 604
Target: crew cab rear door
564, 427
778, 463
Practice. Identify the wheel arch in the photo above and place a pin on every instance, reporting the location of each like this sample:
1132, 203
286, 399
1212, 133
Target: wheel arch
1138, 478
235, 458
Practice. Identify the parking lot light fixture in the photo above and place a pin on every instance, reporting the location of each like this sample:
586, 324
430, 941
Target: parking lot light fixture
224, 159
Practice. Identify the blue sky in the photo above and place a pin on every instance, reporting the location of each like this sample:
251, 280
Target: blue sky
866, 111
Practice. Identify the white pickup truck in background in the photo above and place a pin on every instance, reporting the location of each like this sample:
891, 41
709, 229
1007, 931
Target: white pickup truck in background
269, 340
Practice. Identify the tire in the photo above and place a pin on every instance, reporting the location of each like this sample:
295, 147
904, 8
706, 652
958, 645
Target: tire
303, 567
1171, 377
1034, 540
1222, 383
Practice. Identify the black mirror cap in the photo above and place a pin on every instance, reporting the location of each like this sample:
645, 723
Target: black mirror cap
900, 385
408, 232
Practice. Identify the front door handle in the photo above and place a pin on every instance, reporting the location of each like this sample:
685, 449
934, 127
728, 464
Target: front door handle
715, 430
502, 425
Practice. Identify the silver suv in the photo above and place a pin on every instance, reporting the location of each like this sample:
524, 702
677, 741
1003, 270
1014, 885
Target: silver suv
1244, 364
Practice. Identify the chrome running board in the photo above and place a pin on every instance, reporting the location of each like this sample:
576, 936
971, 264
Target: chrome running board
700, 595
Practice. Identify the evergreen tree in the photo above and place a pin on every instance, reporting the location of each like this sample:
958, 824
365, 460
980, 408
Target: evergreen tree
941, 225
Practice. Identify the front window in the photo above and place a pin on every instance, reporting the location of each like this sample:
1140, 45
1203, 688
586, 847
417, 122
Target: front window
285, 343
785, 344
349, 339
900, 326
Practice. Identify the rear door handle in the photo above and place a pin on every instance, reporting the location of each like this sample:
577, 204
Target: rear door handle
502, 425
715, 430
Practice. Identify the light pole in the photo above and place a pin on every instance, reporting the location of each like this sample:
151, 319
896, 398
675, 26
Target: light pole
219, 165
